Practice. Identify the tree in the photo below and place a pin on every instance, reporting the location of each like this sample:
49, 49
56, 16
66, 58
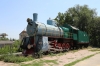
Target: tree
60, 18
85, 19
3, 35
95, 32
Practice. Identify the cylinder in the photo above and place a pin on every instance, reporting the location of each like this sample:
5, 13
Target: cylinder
45, 30
35, 15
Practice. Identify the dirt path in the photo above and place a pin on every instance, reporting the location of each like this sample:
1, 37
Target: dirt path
93, 61
61, 59
66, 58
7, 64
70, 57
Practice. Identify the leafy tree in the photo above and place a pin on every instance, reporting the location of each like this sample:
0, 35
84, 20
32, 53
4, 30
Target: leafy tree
60, 18
85, 19
95, 32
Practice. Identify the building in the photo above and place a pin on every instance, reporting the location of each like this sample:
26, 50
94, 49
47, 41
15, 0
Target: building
4, 43
22, 35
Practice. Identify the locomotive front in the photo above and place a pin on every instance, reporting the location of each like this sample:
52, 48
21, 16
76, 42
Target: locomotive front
39, 34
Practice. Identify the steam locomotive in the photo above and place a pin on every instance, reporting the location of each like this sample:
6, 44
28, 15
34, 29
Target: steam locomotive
52, 37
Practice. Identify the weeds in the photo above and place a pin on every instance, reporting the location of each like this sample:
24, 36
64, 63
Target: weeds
14, 59
41, 63
75, 51
96, 49
10, 48
34, 64
51, 61
52, 54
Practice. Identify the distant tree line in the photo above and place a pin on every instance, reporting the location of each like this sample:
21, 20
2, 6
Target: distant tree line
1, 39
6, 39
85, 19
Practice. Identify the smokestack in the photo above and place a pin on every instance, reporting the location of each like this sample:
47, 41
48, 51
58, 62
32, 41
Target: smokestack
35, 17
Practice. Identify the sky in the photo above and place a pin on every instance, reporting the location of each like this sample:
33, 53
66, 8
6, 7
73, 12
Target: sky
13, 13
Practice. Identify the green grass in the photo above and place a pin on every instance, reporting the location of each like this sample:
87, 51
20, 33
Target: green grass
52, 54
14, 59
41, 63
35, 63
73, 63
75, 51
62, 53
96, 49
51, 61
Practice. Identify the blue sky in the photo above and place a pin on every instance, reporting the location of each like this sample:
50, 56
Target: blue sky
13, 13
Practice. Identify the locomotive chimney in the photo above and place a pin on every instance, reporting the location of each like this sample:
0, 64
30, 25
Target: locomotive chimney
35, 17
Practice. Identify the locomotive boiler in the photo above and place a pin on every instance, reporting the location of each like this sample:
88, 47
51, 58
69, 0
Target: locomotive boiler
40, 29
51, 37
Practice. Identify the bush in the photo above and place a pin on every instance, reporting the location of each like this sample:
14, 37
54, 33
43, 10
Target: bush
14, 59
5, 50
2, 57
10, 49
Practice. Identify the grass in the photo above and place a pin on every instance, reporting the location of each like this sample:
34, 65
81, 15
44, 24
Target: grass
52, 54
14, 59
75, 50
41, 63
51, 61
96, 49
58, 54
73, 63
35, 63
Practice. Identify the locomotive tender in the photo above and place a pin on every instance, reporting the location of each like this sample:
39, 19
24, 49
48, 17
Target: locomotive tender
52, 37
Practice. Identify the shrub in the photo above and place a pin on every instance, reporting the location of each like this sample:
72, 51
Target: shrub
2, 57
14, 59
10, 49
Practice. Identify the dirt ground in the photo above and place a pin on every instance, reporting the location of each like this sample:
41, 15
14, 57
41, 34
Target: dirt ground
93, 61
6, 64
70, 57
61, 59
